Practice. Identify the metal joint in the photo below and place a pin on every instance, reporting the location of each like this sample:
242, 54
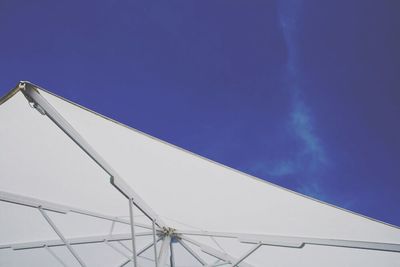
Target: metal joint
169, 231
32, 103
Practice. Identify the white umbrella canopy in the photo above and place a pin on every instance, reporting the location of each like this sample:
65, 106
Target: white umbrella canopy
69, 175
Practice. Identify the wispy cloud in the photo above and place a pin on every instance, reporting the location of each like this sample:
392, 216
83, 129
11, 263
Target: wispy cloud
309, 159
302, 125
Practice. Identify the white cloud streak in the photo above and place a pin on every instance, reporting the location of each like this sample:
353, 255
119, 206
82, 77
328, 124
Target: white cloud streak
309, 159
301, 124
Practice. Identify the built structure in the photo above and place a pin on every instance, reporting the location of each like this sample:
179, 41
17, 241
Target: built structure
79, 189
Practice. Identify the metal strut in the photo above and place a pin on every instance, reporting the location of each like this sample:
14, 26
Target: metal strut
133, 233
214, 252
60, 235
55, 256
155, 243
139, 252
293, 241
172, 256
59, 208
246, 255
162, 258
191, 251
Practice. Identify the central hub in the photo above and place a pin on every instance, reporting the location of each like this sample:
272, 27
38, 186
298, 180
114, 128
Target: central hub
168, 231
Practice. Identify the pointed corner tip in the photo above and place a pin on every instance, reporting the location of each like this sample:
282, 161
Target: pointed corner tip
12, 92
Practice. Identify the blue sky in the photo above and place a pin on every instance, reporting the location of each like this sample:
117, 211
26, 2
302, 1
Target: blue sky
305, 94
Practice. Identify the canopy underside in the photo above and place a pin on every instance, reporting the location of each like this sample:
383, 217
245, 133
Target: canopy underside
67, 183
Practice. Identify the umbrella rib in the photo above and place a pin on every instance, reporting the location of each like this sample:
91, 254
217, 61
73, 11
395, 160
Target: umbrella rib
55, 256
296, 242
61, 236
214, 252
72, 241
191, 251
129, 259
59, 208
251, 251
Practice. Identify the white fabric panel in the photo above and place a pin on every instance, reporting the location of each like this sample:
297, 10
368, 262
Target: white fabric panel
197, 192
189, 192
22, 224
38, 160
